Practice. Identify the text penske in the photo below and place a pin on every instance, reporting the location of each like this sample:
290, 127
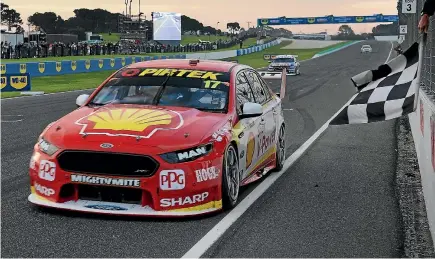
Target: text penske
105, 180
180, 73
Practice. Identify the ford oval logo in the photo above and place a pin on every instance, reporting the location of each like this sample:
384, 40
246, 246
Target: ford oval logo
105, 207
106, 145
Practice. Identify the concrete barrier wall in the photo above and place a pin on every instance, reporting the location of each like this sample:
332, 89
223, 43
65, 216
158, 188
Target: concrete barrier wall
423, 131
53, 68
387, 38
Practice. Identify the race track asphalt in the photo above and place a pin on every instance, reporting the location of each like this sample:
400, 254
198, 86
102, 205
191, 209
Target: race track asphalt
336, 201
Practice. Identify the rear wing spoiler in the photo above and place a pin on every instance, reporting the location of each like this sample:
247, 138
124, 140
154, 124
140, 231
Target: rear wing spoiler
276, 75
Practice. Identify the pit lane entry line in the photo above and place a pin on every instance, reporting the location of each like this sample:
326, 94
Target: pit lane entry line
219, 229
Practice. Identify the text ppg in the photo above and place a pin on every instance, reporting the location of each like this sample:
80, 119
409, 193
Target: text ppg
47, 170
172, 180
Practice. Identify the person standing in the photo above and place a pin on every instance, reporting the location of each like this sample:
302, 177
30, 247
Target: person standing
428, 10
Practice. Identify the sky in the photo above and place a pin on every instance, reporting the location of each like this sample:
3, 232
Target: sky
209, 12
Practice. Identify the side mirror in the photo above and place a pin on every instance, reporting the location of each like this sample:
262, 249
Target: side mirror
251, 110
81, 99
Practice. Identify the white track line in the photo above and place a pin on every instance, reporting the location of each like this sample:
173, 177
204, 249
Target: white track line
219, 229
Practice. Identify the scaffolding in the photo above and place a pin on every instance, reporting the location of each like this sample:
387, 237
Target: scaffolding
134, 27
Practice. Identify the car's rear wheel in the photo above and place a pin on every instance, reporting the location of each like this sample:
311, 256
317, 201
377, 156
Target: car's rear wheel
280, 149
230, 178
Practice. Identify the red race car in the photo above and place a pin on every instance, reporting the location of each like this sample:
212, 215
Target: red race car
161, 138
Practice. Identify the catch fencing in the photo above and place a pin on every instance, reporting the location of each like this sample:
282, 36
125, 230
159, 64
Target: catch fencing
413, 35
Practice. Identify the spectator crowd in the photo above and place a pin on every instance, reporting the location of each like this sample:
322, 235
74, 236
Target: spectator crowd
127, 47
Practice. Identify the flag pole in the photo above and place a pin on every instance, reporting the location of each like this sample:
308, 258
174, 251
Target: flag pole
420, 66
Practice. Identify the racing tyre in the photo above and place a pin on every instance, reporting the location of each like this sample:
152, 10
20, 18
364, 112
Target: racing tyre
230, 178
280, 149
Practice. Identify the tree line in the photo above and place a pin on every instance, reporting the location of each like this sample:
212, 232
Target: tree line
103, 21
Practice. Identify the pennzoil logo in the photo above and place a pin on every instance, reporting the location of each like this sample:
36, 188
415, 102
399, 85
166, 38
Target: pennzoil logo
87, 64
58, 66
359, 19
73, 65
112, 62
311, 20
100, 63
131, 122
41, 67
23, 68
18, 82
3, 69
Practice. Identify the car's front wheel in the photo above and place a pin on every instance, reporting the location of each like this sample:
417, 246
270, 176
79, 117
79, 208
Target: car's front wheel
230, 178
280, 149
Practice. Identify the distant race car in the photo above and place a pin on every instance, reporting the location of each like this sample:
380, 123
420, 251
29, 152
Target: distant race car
289, 62
366, 48
161, 138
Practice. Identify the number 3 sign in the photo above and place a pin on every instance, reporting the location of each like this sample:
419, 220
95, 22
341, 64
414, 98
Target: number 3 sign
409, 6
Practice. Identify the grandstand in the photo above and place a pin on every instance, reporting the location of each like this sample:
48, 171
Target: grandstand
134, 27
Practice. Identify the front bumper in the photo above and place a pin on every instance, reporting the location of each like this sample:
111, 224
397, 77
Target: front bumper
189, 195
289, 70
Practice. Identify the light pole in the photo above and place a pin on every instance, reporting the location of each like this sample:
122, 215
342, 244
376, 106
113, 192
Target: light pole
217, 26
248, 25
126, 4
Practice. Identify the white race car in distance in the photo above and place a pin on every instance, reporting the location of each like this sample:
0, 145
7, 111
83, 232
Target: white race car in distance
366, 48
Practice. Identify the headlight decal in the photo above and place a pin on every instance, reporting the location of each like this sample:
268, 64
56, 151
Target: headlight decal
47, 147
188, 154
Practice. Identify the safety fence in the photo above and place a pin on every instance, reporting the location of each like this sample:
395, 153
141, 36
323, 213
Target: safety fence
51, 68
413, 35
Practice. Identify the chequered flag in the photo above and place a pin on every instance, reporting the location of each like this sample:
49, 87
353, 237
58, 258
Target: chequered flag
385, 93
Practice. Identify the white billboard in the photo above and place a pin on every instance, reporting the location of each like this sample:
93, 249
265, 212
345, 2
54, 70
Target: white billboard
166, 26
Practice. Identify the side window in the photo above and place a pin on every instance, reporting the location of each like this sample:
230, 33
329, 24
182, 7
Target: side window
243, 92
259, 93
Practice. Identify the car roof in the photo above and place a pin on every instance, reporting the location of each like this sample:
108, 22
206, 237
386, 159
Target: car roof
208, 65
366, 45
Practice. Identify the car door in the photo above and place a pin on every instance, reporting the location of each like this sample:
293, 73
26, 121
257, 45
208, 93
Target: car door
267, 132
247, 128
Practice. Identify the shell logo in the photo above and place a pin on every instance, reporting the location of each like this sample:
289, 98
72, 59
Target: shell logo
250, 150
87, 64
100, 63
73, 65
3, 69
58, 66
123, 61
3, 82
23, 68
132, 122
112, 62
41, 67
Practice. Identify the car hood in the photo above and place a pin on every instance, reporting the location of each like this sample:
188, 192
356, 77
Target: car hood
167, 128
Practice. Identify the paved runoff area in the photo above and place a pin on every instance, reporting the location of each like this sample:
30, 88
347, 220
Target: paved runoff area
311, 44
337, 200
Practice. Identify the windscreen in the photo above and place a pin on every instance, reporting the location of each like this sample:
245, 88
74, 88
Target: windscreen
203, 90
284, 60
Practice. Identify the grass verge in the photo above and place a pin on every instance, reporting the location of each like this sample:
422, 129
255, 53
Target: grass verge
52, 84
256, 60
